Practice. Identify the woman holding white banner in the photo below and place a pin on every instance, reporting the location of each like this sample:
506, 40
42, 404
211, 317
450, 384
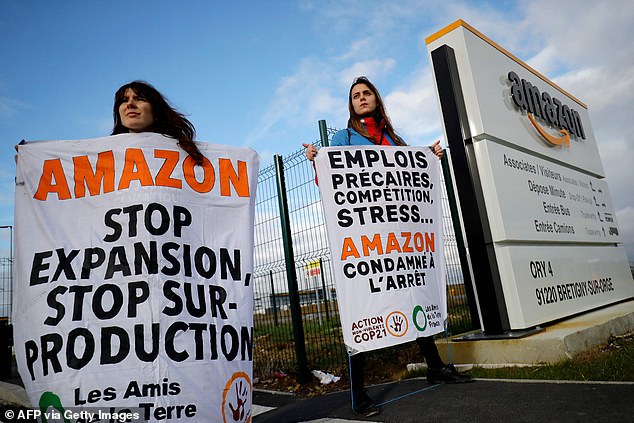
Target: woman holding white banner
139, 107
369, 124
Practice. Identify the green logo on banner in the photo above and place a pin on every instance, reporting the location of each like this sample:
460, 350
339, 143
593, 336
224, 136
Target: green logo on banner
419, 309
49, 399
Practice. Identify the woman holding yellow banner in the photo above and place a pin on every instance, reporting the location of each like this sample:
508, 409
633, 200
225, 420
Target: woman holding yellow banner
369, 124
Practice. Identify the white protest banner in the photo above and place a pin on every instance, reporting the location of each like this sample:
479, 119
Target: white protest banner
133, 285
384, 222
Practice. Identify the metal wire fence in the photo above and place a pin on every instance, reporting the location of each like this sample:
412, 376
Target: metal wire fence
6, 292
275, 347
6, 333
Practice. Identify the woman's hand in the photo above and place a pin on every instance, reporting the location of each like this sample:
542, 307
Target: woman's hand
17, 151
437, 149
311, 151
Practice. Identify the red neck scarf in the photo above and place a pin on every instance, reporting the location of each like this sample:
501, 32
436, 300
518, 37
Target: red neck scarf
376, 132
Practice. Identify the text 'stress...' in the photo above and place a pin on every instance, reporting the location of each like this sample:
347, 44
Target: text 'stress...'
384, 220
133, 288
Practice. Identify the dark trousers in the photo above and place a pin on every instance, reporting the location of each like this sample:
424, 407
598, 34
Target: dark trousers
356, 363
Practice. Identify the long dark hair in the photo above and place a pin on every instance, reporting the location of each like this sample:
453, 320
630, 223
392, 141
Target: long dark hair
167, 120
354, 121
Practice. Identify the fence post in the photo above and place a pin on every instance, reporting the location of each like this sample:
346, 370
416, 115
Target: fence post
293, 293
323, 133
273, 300
323, 286
462, 250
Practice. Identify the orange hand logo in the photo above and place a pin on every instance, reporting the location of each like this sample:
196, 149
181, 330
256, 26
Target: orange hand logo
237, 402
564, 139
396, 324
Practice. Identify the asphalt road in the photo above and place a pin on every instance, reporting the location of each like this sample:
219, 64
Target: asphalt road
482, 401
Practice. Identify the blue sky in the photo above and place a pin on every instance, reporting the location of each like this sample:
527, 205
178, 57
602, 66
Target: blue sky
262, 73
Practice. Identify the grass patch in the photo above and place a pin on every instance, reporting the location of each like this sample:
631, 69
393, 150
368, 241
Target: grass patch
613, 362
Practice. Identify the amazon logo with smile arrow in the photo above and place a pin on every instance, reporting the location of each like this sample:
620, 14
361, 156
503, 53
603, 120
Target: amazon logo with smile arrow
541, 106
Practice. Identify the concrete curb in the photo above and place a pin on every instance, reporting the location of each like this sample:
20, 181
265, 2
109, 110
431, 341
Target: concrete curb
14, 394
554, 343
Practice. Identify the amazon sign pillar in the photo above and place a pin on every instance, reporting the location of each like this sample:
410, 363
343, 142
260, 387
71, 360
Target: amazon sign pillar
541, 230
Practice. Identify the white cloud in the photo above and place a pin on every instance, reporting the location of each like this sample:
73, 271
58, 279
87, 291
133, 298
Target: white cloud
545, 60
625, 218
373, 69
584, 31
413, 109
302, 96
10, 107
358, 48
